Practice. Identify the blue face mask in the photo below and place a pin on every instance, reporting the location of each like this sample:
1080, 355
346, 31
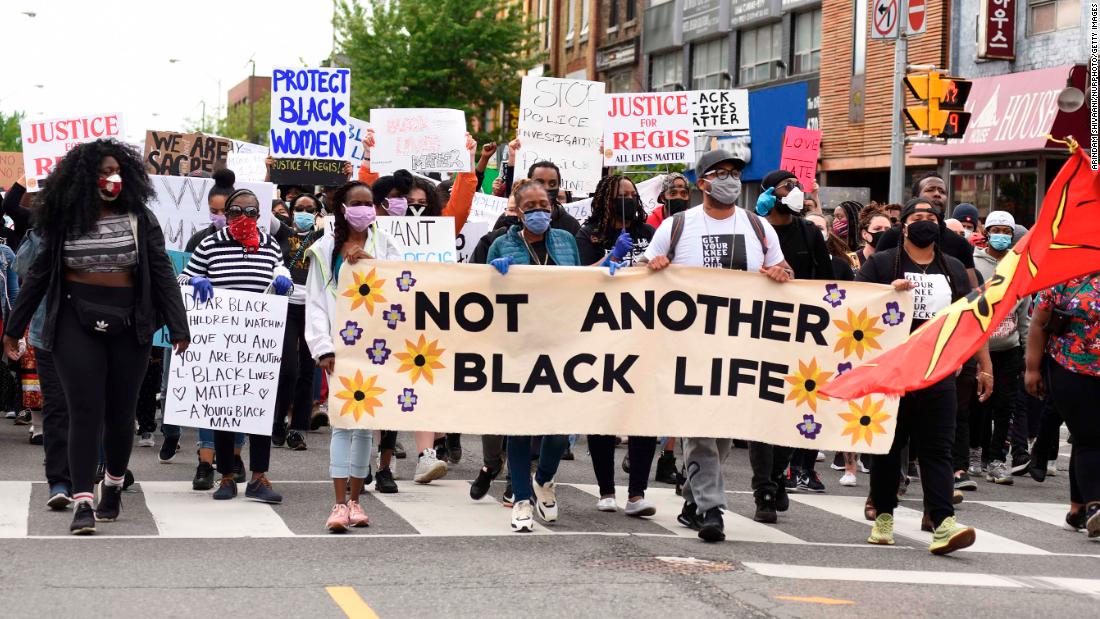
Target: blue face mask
304, 220
999, 241
537, 222
766, 202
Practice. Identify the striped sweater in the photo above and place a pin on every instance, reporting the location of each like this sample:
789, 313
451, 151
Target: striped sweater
224, 262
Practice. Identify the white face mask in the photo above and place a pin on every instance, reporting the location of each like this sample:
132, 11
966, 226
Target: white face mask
795, 200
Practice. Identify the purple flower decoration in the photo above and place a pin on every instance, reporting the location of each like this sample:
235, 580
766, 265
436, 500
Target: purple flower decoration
393, 316
406, 281
378, 352
834, 295
809, 428
893, 316
841, 368
407, 400
351, 333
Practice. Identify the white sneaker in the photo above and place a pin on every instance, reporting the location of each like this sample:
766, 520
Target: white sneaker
1052, 468
820, 456
522, 518
640, 508
863, 469
146, 440
546, 500
848, 479
9, 415
428, 467
607, 504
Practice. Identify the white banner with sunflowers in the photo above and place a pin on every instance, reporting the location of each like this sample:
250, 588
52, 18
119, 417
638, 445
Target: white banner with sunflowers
573, 350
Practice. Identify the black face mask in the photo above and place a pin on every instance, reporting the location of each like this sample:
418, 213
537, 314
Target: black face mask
676, 205
627, 208
923, 233
552, 194
509, 221
783, 209
876, 237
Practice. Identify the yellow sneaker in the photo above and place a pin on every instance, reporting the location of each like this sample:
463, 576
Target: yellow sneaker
883, 531
951, 536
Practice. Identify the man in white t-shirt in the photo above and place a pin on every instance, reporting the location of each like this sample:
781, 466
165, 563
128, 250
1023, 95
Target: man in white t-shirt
716, 235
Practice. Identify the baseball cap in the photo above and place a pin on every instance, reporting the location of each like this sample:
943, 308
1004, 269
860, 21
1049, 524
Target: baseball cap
712, 158
1000, 218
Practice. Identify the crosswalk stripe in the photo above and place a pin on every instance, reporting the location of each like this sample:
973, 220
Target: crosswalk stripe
444, 508
909, 577
15, 505
179, 511
907, 524
1050, 513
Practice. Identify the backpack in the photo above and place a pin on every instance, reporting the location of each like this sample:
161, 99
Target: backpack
678, 231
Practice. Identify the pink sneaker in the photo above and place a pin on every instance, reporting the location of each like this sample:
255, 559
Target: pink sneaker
356, 515
338, 520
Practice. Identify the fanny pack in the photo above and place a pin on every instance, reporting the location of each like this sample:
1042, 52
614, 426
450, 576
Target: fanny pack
102, 319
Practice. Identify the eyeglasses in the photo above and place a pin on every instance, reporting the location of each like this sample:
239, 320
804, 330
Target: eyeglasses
789, 184
251, 212
722, 174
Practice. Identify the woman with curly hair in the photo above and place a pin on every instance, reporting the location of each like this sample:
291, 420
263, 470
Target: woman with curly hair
108, 286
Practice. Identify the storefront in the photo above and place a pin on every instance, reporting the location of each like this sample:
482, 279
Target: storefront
1005, 160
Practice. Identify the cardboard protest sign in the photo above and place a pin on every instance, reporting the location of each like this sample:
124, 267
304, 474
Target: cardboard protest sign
182, 210
249, 167
423, 239
45, 142
227, 379
179, 262
357, 130
719, 110
421, 139
326, 172
172, 153
799, 155
562, 121
11, 168
309, 112
487, 206
467, 240
459, 348
647, 128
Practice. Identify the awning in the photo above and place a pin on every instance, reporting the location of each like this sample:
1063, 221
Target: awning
1013, 113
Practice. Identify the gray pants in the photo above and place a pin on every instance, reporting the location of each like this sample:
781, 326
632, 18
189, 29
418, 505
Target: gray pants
492, 451
703, 458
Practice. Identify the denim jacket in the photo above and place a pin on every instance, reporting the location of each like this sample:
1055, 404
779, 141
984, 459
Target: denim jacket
28, 252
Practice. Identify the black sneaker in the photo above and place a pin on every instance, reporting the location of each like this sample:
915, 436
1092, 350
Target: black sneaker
204, 477
278, 435
23, 418
766, 509
689, 517
568, 455
318, 421
963, 481
1092, 522
626, 464
110, 503
1075, 521
666, 469
127, 479
1020, 465
238, 469
454, 449
509, 497
259, 489
790, 479
810, 482
168, 449
782, 499
295, 441
1037, 466
83, 519
713, 527
440, 447
227, 489
480, 487
35, 438
399, 451
384, 483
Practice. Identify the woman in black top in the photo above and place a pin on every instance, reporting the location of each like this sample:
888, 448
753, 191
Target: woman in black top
110, 287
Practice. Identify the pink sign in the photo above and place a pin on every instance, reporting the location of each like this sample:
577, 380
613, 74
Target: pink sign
800, 150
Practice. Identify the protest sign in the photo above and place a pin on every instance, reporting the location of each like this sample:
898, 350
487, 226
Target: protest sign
487, 206
248, 147
228, 378
325, 172
179, 263
467, 240
249, 167
172, 153
182, 210
357, 131
580, 210
45, 142
423, 239
309, 112
421, 139
460, 348
11, 168
647, 128
649, 191
562, 121
719, 110
799, 155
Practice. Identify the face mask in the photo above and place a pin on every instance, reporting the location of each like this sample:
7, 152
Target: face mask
923, 233
360, 217
999, 241
536, 222
626, 208
552, 194
243, 230
876, 237
110, 187
840, 227
676, 205
218, 221
304, 220
725, 192
795, 200
396, 207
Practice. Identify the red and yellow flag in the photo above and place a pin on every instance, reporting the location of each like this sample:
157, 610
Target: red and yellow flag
1065, 243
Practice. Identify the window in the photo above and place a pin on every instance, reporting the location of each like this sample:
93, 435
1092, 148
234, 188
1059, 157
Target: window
631, 10
709, 68
613, 14
1051, 15
623, 81
666, 72
544, 19
760, 49
859, 40
585, 7
807, 41
572, 13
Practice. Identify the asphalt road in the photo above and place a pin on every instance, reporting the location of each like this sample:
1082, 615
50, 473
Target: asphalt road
430, 551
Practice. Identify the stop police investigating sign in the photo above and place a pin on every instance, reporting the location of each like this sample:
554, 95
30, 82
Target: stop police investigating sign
648, 128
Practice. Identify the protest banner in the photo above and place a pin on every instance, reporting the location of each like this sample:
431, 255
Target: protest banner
309, 112
648, 128
45, 142
420, 139
423, 239
682, 352
11, 168
182, 210
172, 153
325, 172
799, 155
248, 147
228, 378
357, 131
249, 167
562, 121
719, 110
487, 206
467, 240
179, 262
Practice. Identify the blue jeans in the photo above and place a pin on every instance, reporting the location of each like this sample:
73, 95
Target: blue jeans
350, 453
519, 462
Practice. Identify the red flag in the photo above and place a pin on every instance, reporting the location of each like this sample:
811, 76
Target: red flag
1065, 243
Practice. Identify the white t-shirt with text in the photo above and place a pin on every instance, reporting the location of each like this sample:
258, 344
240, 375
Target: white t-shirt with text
729, 243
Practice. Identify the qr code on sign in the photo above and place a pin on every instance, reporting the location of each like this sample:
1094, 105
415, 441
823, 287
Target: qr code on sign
438, 162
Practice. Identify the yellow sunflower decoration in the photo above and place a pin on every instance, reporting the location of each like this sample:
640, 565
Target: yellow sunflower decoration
805, 382
360, 396
420, 359
366, 291
858, 334
864, 420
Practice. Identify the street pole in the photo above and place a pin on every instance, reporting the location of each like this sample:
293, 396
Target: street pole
252, 104
897, 142
203, 116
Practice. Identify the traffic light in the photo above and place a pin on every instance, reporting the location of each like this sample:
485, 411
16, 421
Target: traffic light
945, 97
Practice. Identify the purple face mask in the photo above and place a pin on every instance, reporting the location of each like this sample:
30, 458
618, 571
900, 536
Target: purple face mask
359, 217
397, 207
218, 221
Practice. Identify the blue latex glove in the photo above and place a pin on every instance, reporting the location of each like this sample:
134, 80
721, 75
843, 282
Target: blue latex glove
204, 290
501, 264
282, 285
614, 266
766, 202
622, 247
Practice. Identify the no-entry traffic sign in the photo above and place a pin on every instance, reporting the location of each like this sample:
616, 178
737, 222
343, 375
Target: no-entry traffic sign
884, 19
917, 13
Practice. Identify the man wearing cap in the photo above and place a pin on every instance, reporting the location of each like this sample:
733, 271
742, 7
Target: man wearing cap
718, 235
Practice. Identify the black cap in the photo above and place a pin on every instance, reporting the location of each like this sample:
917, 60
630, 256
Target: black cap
712, 158
775, 177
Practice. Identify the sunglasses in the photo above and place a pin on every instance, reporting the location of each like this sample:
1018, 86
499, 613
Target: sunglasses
251, 212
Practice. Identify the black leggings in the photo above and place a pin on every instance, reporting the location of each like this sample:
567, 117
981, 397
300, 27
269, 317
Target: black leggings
295, 372
101, 376
1075, 395
55, 420
640, 449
